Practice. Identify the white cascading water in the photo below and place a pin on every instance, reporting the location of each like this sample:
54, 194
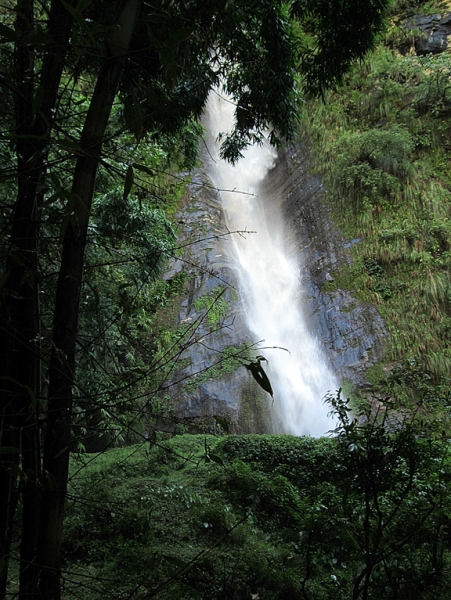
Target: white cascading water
270, 287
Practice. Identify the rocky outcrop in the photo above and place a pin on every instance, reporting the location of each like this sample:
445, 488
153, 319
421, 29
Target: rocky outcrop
352, 333
435, 30
204, 240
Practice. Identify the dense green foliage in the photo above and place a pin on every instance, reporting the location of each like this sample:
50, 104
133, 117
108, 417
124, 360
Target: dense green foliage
364, 514
99, 110
85, 219
381, 142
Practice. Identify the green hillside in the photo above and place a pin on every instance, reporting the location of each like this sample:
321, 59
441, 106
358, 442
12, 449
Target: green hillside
381, 141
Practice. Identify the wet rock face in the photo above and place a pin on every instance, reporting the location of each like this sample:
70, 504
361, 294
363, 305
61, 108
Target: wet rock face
205, 258
352, 333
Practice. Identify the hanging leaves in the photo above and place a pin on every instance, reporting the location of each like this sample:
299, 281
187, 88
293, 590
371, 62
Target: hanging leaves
209, 457
129, 177
222, 423
144, 169
134, 116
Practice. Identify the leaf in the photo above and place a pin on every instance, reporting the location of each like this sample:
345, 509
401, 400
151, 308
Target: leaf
129, 178
168, 58
8, 450
144, 169
96, 297
83, 5
260, 376
70, 146
77, 11
222, 423
7, 33
217, 459
134, 116
154, 42
73, 11
157, 17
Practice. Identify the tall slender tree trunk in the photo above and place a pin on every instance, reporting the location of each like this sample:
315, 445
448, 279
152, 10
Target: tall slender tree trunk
19, 312
18, 362
65, 322
59, 29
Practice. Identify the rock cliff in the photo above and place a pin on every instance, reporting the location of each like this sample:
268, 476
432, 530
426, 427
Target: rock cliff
352, 333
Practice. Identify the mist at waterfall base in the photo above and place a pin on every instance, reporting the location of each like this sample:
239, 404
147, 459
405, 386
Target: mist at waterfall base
268, 270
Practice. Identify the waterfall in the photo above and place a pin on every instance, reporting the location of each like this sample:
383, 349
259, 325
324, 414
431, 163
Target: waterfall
268, 269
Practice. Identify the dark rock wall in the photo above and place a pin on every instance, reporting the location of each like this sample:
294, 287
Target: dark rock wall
435, 30
352, 333
206, 259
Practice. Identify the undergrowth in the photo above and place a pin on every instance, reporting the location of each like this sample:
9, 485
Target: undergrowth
382, 144
262, 516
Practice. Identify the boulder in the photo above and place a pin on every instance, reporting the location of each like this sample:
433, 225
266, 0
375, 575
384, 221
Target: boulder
435, 29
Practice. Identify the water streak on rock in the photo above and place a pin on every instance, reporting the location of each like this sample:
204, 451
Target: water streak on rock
267, 264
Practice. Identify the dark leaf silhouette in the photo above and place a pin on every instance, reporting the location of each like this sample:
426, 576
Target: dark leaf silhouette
222, 423
129, 177
259, 374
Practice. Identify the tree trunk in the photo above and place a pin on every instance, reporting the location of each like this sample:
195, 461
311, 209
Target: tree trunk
18, 319
65, 322
59, 29
19, 313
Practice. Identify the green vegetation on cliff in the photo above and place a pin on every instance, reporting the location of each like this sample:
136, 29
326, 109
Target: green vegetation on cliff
381, 142
99, 106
